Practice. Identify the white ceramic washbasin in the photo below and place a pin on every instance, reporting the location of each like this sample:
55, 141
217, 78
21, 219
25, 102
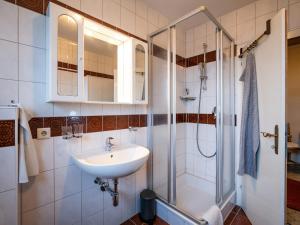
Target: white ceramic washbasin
119, 162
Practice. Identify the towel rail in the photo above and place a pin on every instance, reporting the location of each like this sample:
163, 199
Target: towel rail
255, 42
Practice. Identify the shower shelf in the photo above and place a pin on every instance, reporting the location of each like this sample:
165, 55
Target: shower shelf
187, 98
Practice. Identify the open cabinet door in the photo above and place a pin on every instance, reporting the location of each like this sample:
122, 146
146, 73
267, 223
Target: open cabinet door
263, 199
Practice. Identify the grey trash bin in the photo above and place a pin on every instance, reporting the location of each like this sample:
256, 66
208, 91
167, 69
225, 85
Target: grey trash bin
148, 206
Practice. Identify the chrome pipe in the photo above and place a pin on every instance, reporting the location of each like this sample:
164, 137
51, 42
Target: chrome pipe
169, 115
173, 131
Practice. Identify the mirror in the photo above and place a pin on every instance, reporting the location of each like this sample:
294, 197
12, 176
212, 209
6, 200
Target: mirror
67, 55
100, 67
139, 73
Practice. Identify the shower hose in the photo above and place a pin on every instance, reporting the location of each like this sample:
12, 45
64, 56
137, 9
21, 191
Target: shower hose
197, 133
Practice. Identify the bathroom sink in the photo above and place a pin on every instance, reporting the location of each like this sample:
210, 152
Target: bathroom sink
120, 162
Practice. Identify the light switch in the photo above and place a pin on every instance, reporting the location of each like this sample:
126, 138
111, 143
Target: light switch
43, 133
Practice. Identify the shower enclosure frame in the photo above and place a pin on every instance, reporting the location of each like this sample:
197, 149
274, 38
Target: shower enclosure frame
220, 200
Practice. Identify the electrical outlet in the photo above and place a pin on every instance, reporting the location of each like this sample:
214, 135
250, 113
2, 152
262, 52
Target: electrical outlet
43, 133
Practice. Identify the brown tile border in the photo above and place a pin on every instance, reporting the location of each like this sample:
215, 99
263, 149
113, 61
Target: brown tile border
134, 120
55, 124
90, 123
122, 122
34, 5
7, 133
94, 124
112, 122
34, 123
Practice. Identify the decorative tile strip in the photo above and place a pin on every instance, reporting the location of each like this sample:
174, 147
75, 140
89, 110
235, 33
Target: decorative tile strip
90, 123
7, 133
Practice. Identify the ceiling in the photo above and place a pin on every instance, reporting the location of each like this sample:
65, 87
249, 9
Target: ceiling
174, 9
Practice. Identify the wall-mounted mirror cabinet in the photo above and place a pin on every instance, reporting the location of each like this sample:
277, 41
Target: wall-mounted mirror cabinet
89, 62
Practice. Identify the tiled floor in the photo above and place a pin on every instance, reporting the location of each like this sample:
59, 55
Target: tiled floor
135, 220
237, 217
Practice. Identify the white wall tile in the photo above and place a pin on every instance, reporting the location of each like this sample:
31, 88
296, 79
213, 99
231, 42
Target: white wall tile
293, 1
67, 181
68, 210
112, 12
141, 9
152, 16
8, 168
8, 60
8, 21
45, 154
260, 23
294, 16
91, 109
32, 28
92, 201
92, 7
112, 215
129, 4
162, 20
263, 7
111, 109
8, 208
87, 181
127, 109
229, 20
127, 20
96, 219
32, 64
73, 3
38, 192
43, 215
283, 4
246, 32
8, 89
66, 109
141, 136
140, 27
246, 13
63, 150
92, 142
151, 28
33, 97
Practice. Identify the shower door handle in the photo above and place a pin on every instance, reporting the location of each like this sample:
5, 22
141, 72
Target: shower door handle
275, 136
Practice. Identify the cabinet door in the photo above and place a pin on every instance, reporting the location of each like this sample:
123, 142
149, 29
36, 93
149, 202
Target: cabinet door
65, 55
140, 72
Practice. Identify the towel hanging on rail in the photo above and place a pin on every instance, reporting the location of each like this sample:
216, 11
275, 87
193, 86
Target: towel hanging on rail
249, 136
28, 160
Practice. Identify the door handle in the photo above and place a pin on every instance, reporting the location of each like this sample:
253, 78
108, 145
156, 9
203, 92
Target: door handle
275, 136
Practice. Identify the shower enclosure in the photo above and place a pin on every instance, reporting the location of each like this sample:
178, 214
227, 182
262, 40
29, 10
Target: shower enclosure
193, 49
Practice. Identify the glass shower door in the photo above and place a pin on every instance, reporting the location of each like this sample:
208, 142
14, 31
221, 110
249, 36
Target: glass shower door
160, 113
226, 119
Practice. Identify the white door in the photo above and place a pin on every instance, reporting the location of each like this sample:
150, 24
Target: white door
263, 199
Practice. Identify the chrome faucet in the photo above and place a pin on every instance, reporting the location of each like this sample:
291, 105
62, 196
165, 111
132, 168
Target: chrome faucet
108, 144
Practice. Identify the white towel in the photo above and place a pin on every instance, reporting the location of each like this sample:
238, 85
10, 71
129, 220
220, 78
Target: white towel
28, 160
213, 216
